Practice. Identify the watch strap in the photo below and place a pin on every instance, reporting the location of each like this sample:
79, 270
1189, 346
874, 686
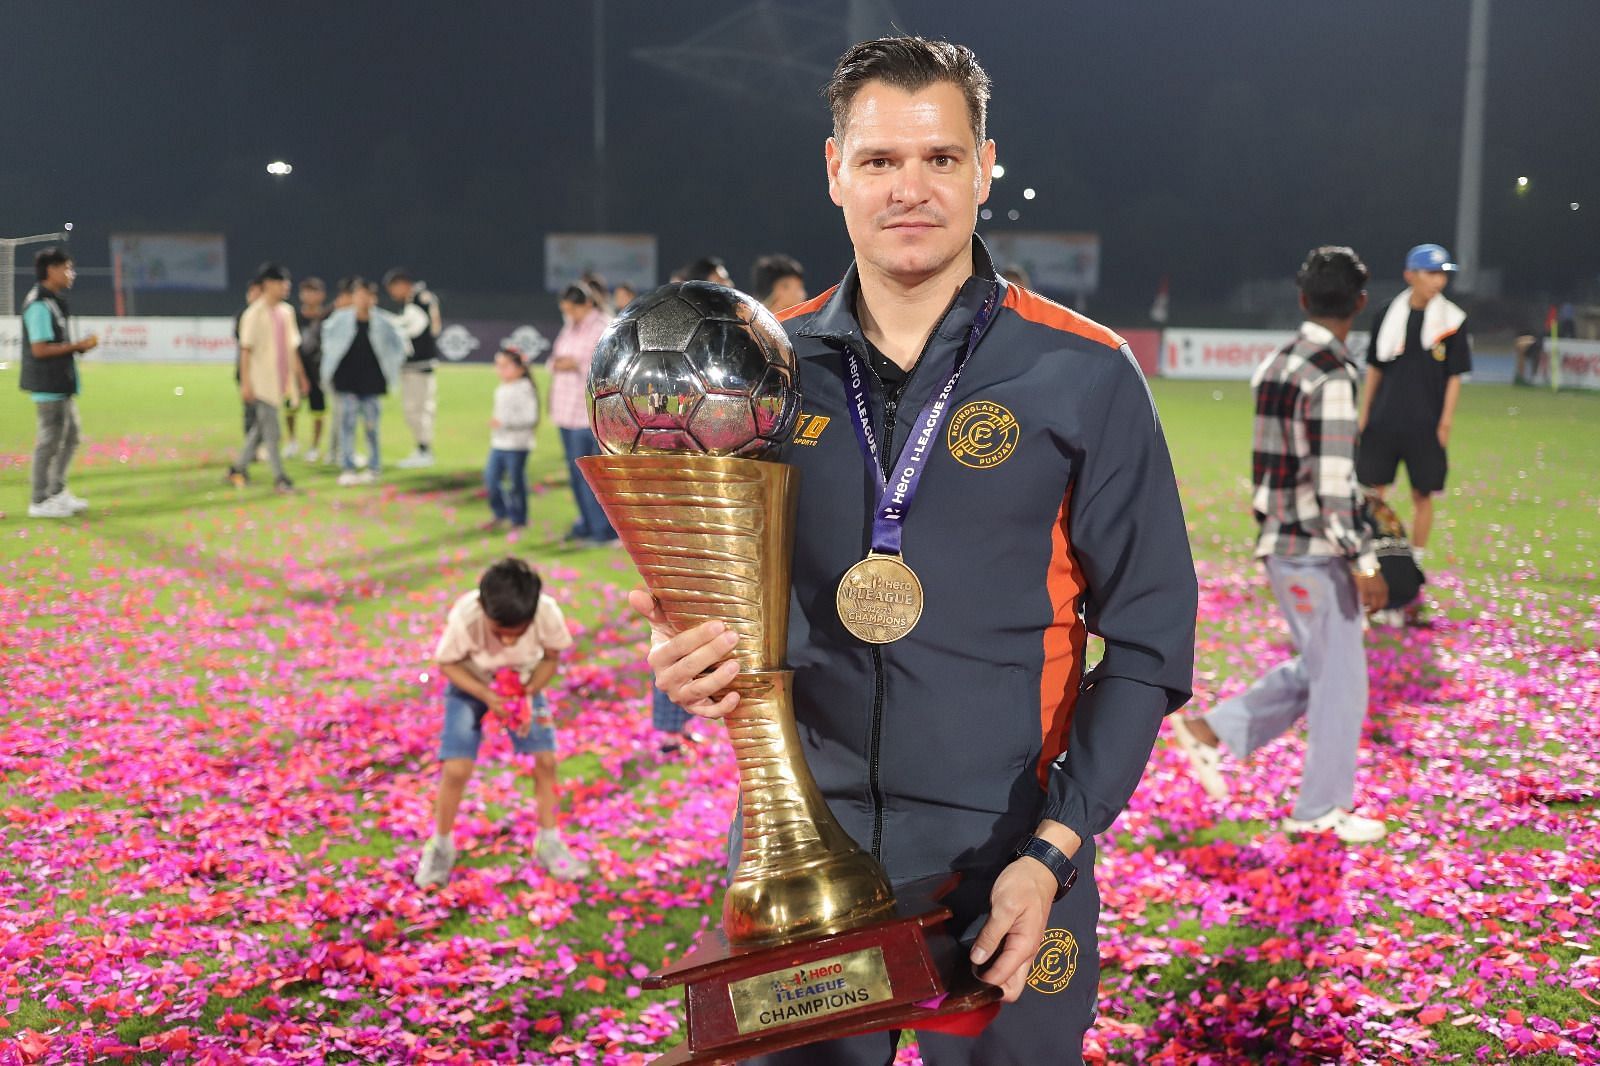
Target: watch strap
1054, 859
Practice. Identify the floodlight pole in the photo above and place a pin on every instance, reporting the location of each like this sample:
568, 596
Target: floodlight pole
1469, 205
8, 267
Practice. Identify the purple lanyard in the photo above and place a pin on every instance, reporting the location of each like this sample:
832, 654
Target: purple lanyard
894, 494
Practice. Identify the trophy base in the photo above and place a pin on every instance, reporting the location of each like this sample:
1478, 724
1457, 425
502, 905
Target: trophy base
898, 973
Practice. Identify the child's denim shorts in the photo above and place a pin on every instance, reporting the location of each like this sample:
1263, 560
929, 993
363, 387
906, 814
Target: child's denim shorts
463, 727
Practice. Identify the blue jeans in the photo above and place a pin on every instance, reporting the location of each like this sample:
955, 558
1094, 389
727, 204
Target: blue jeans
368, 409
462, 732
665, 715
592, 523
506, 478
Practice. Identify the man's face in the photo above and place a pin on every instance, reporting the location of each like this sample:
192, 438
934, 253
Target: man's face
60, 276
363, 298
276, 290
399, 291
787, 292
910, 176
1427, 283
311, 301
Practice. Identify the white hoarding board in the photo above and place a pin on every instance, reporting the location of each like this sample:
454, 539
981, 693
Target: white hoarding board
1217, 353
620, 258
195, 261
1055, 262
141, 340
1580, 363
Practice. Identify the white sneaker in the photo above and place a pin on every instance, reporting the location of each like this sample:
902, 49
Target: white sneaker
434, 866
416, 460
74, 501
1348, 826
1204, 759
366, 477
55, 507
312, 455
290, 450
350, 477
1388, 618
554, 856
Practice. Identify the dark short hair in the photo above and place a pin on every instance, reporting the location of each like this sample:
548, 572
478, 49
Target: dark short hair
1332, 280
771, 269
576, 294
702, 269
394, 274
270, 271
350, 284
314, 284
508, 592
47, 258
909, 64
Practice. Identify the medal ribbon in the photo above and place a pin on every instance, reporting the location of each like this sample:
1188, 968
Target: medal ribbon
895, 493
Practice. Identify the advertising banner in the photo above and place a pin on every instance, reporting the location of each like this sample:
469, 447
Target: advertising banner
620, 258
1218, 354
192, 261
1580, 363
210, 339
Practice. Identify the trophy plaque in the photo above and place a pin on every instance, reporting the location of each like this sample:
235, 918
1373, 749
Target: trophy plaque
690, 388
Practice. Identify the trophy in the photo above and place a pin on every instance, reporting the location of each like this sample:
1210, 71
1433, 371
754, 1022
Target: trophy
690, 388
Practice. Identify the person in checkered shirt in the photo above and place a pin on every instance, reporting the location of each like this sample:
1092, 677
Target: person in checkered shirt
1319, 560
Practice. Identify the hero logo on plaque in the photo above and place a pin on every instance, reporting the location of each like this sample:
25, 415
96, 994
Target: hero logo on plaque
812, 990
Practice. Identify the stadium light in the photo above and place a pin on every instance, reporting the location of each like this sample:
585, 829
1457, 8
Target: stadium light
986, 214
1013, 214
999, 170
279, 169
1573, 205
1028, 194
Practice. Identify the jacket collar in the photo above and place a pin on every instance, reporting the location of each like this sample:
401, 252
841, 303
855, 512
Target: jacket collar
836, 324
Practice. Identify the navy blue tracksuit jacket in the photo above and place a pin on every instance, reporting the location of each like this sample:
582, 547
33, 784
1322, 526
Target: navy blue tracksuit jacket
1047, 510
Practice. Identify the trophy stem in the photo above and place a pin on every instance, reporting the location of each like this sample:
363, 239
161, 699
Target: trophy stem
799, 872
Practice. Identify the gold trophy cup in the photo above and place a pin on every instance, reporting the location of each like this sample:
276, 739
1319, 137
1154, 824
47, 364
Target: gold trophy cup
814, 942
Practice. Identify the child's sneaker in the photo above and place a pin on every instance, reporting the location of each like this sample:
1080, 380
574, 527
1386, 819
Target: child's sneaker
554, 856
283, 485
437, 859
290, 450
237, 478
312, 455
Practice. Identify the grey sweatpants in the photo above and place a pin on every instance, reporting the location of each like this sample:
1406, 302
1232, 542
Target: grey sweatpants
265, 431
54, 448
1326, 683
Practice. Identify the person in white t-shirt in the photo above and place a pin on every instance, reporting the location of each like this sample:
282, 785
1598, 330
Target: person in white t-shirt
507, 623
516, 416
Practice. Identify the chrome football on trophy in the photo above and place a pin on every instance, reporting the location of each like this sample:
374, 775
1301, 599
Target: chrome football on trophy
692, 391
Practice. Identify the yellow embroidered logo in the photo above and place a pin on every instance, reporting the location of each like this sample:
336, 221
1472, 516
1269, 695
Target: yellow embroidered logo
983, 435
1056, 963
807, 428
1439, 352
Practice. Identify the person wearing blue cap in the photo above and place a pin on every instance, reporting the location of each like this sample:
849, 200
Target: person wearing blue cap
1417, 353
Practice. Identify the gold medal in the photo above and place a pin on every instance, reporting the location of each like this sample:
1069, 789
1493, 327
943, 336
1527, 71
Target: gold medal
879, 599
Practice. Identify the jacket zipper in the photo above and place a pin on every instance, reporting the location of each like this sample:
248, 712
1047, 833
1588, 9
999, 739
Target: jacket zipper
891, 407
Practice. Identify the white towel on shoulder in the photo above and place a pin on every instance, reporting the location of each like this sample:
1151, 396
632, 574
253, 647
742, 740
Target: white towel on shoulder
1440, 319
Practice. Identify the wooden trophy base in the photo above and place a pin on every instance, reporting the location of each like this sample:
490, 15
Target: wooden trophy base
897, 973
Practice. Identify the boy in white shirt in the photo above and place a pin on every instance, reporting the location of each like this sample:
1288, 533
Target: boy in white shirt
507, 623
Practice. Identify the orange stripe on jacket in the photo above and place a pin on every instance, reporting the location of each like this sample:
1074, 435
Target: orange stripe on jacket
1036, 308
813, 304
1064, 641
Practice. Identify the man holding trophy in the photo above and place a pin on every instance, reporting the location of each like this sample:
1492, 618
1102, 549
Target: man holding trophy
982, 481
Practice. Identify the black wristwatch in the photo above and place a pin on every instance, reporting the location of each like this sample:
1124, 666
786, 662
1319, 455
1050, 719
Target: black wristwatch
1055, 860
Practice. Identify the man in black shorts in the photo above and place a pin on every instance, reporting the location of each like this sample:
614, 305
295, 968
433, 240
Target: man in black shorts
1418, 352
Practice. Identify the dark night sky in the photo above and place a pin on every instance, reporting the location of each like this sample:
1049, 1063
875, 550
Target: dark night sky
1212, 141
